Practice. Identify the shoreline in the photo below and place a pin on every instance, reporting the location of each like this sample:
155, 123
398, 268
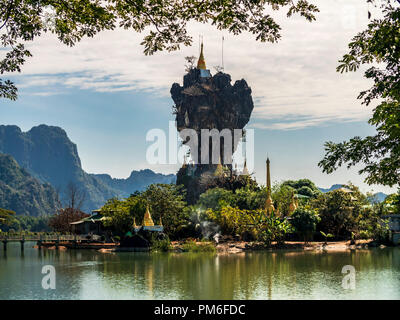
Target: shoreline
319, 246
237, 247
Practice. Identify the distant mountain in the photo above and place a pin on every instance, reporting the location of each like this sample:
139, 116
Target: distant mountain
48, 154
22, 193
334, 187
377, 197
138, 180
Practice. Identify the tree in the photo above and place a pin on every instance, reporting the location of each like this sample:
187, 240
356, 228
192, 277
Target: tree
120, 214
165, 21
339, 212
249, 198
60, 222
282, 196
75, 197
270, 228
216, 198
305, 222
392, 202
167, 203
6, 217
304, 187
379, 45
190, 61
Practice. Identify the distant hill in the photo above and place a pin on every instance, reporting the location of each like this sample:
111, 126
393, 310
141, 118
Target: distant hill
377, 197
138, 180
334, 187
48, 154
22, 193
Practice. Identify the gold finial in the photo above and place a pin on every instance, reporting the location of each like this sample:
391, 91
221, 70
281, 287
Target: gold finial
269, 204
219, 171
147, 220
201, 63
245, 172
160, 222
293, 205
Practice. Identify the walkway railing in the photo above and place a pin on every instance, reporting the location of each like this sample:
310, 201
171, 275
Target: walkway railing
42, 237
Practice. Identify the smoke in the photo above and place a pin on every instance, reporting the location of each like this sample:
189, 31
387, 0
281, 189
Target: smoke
209, 230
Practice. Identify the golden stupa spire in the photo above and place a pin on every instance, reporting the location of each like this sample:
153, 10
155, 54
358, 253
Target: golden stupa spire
219, 171
269, 204
293, 205
245, 171
147, 220
201, 63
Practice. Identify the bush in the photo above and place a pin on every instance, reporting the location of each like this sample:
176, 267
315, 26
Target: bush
305, 221
162, 245
192, 246
270, 228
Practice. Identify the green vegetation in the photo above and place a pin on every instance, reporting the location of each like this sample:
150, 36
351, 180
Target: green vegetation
305, 222
253, 224
6, 217
161, 245
166, 203
326, 236
27, 223
193, 246
22, 193
379, 47
339, 214
304, 187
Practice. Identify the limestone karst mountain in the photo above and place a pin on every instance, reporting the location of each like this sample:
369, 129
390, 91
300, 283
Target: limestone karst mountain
209, 102
22, 193
48, 154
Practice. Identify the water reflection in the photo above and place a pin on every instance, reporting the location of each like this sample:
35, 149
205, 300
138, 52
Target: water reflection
259, 275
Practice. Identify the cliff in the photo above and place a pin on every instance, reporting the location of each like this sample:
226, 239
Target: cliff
50, 156
22, 193
209, 103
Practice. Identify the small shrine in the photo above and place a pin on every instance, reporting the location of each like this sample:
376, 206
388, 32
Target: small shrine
148, 224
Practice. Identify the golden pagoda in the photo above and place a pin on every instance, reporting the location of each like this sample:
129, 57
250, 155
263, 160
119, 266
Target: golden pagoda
147, 220
201, 63
293, 205
219, 171
269, 204
245, 171
134, 223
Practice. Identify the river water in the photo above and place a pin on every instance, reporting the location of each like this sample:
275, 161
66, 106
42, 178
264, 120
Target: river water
86, 274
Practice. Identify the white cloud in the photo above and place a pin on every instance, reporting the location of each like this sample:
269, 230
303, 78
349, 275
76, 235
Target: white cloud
294, 82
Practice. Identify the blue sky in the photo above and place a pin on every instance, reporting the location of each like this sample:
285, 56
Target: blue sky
107, 95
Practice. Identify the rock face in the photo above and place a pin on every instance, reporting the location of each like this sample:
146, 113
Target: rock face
22, 193
209, 103
47, 153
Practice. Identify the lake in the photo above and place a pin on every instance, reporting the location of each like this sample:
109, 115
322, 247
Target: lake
85, 274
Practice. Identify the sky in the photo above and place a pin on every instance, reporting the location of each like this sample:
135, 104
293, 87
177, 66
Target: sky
107, 94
